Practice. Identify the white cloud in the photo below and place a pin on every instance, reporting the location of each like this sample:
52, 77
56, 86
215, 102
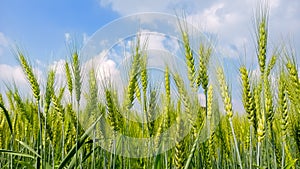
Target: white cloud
134, 6
11, 74
58, 66
230, 20
159, 41
104, 67
154, 39
208, 17
219, 19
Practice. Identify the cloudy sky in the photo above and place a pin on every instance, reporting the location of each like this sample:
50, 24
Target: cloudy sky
44, 28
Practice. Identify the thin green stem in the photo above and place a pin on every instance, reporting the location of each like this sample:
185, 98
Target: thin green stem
250, 148
283, 155
235, 143
258, 154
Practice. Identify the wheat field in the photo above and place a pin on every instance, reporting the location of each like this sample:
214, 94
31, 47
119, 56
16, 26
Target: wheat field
46, 131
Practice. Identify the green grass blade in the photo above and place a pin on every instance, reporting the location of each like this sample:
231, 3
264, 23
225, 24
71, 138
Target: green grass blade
7, 117
28, 148
16, 153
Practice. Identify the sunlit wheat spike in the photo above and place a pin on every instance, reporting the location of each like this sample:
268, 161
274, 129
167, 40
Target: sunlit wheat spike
212, 144
29, 75
131, 91
93, 89
268, 101
262, 43
209, 108
137, 92
167, 86
152, 111
262, 37
185, 99
111, 109
271, 64
134, 74
57, 105
69, 77
77, 75
49, 89
248, 98
144, 73
166, 119
210, 95
293, 90
261, 129
57, 118
260, 113
294, 85
246, 89
180, 145
189, 57
282, 103
204, 57
224, 92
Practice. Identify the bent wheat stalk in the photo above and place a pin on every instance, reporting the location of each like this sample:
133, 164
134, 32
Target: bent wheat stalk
27, 69
228, 108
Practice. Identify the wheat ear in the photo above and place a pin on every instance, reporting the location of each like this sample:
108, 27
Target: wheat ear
69, 78
283, 110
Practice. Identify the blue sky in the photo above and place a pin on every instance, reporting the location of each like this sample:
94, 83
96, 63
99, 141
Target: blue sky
39, 26
42, 28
